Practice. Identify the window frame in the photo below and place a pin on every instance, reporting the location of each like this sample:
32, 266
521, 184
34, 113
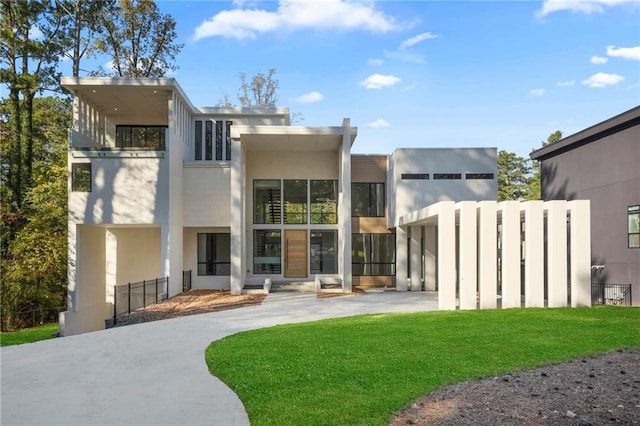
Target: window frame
323, 216
271, 268
301, 218
76, 183
212, 264
320, 251
369, 207
373, 266
633, 210
121, 140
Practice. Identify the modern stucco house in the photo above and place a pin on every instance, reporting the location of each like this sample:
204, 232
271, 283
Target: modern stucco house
242, 198
602, 164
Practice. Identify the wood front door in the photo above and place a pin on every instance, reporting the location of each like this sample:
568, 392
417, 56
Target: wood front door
295, 253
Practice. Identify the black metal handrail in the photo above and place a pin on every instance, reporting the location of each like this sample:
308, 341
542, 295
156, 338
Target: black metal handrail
611, 294
132, 296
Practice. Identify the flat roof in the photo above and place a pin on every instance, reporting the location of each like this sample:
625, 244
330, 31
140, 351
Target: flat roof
610, 126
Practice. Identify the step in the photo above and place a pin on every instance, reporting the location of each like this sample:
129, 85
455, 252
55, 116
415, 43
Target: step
296, 286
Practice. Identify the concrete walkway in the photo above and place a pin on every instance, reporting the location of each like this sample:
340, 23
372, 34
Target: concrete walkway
155, 373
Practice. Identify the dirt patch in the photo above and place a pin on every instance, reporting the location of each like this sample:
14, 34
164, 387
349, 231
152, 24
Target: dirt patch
595, 390
191, 303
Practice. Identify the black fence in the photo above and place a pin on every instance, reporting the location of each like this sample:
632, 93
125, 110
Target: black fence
611, 294
186, 281
132, 296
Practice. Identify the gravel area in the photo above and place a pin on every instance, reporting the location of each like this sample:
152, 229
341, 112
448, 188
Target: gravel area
596, 390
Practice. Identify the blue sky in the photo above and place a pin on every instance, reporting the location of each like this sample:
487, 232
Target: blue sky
422, 73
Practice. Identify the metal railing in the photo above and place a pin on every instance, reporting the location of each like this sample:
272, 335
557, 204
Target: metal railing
186, 281
611, 294
132, 296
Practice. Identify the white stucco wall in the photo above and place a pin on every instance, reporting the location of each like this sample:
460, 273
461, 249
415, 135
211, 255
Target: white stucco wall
124, 191
407, 195
207, 195
138, 254
210, 282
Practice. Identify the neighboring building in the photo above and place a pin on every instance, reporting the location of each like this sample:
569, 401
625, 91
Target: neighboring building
158, 186
602, 164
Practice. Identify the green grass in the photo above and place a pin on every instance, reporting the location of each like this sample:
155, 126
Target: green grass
360, 370
29, 335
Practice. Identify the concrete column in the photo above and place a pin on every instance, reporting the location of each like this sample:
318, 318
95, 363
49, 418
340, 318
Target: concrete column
533, 255
401, 259
237, 213
488, 254
430, 256
111, 263
580, 252
416, 258
510, 254
446, 256
556, 253
344, 203
468, 262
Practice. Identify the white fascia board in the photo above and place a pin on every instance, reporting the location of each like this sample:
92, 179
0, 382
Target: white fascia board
424, 215
238, 131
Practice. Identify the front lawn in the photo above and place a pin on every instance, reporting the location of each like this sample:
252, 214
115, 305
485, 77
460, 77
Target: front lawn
29, 335
360, 370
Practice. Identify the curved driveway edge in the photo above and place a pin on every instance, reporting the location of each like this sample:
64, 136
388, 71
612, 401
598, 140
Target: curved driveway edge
155, 373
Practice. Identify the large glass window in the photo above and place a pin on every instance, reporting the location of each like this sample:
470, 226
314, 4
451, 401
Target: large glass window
144, 137
295, 202
218, 140
267, 251
214, 254
367, 199
324, 201
323, 252
373, 254
633, 226
81, 177
266, 201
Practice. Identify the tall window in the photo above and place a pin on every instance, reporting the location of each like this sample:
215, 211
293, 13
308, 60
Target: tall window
324, 201
214, 254
266, 201
218, 140
295, 202
373, 254
198, 137
633, 226
81, 177
367, 199
208, 140
267, 251
228, 140
323, 252
149, 137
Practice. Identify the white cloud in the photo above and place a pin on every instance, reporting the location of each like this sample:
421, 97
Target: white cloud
405, 56
380, 122
375, 61
378, 81
632, 53
417, 39
293, 15
35, 33
599, 60
309, 98
582, 6
602, 80
566, 83
537, 92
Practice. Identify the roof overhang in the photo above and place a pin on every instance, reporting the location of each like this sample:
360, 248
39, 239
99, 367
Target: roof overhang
613, 125
292, 138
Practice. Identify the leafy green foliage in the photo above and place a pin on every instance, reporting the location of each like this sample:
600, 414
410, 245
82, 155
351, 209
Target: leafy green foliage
360, 370
29, 335
139, 39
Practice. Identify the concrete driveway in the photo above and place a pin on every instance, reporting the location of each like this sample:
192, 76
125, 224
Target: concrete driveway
155, 373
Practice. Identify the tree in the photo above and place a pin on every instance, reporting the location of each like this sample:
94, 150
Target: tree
535, 184
261, 92
513, 176
139, 39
